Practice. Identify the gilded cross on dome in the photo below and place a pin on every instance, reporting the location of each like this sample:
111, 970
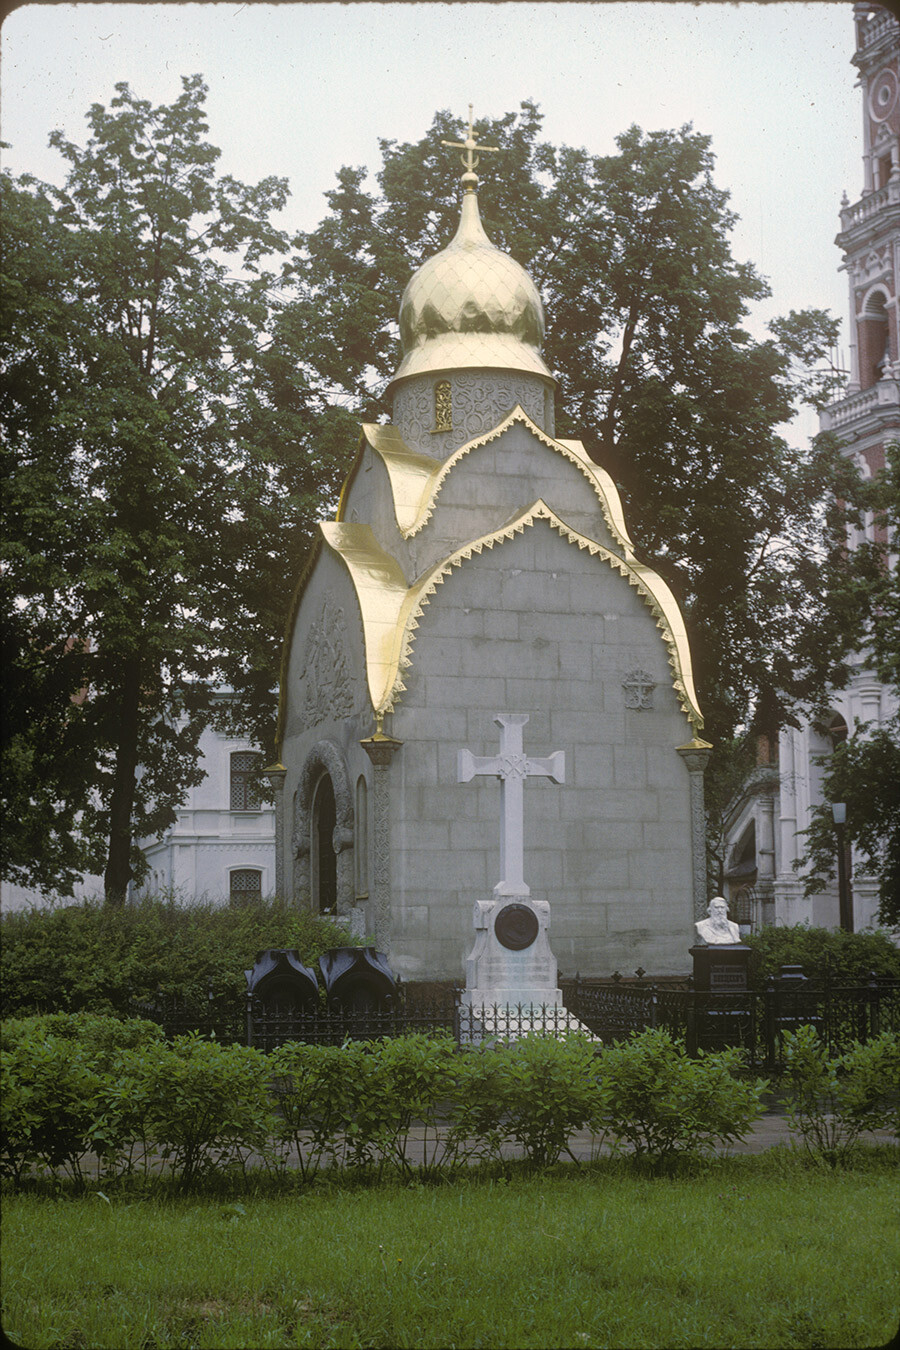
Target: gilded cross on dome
470, 159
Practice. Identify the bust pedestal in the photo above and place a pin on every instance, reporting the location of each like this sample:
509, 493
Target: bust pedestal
720, 967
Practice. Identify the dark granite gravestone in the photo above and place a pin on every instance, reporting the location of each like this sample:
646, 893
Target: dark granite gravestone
357, 979
281, 984
720, 967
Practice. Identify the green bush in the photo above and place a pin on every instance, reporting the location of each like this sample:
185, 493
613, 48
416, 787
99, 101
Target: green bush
550, 1089
832, 1100
98, 959
661, 1102
48, 1103
101, 1036
312, 1092
206, 1106
824, 953
410, 1079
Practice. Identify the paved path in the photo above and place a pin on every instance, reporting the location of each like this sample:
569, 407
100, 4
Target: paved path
770, 1129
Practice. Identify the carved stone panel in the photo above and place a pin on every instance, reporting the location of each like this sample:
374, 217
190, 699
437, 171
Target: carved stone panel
638, 686
474, 403
327, 683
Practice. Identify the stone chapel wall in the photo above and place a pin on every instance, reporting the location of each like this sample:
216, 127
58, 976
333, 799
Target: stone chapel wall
538, 626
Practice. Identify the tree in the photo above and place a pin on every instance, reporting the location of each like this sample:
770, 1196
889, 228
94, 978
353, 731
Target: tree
864, 770
164, 460
645, 311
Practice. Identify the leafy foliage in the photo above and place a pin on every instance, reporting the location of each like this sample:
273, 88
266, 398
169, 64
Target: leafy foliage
89, 957
824, 953
645, 312
202, 1106
551, 1089
48, 1103
164, 460
864, 770
832, 1101
208, 1104
661, 1102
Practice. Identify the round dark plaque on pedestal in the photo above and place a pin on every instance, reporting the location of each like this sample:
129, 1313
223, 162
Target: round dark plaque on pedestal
516, 927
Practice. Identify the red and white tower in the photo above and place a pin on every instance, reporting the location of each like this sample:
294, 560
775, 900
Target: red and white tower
869, 415
765, 831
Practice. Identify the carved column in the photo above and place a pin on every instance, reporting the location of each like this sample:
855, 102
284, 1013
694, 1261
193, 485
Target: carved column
276, 774
696, 757
381, 750
764, 784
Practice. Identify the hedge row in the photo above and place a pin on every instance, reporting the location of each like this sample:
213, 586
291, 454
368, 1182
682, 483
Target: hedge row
100, 959
94, 958
824, 953
83, 1085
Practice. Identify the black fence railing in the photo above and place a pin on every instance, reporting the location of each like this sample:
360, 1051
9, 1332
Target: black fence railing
756, 1020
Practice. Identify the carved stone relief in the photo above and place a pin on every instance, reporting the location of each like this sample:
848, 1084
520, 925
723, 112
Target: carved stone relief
638, 686
479, 400
328, 687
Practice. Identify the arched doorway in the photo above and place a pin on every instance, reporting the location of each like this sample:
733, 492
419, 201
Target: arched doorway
324, 819
323, 832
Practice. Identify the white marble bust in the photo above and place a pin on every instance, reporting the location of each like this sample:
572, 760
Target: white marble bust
718, 927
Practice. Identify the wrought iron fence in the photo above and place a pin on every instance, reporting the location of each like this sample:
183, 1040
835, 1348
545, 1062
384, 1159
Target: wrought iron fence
756, 1020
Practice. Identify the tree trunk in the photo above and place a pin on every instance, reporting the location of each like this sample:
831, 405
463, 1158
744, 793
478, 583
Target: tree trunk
118, 861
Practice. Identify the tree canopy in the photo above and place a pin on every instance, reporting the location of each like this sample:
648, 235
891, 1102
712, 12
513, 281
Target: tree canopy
161, 469
182, 394
864, 770
646, 309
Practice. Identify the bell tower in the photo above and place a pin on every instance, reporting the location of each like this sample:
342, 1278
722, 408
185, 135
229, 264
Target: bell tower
869, 239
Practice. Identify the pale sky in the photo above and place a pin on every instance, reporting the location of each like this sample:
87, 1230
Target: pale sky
299, 89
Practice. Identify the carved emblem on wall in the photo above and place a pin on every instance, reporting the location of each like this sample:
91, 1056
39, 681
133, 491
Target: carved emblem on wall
328, 686
443, 409
479, 401
638, 686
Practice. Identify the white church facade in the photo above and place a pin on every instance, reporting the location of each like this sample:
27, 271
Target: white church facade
764, 879
479, 566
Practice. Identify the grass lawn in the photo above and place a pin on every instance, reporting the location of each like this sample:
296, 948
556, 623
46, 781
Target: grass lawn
750, 1251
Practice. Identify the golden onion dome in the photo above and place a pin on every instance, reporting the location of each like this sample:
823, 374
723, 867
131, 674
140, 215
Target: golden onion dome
471, 305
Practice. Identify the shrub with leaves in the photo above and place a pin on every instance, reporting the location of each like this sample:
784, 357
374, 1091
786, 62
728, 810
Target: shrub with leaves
48, 1096
101, 959
832, 1100
549, 1090
661, 1102
312, 1095
824, 953
99, 1035
479, 1123
413, 1076
209, 1104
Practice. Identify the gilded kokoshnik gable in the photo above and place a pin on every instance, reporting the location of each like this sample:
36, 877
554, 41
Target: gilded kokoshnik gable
480, 566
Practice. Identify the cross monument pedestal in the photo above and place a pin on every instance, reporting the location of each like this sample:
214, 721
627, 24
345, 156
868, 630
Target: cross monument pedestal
511, 972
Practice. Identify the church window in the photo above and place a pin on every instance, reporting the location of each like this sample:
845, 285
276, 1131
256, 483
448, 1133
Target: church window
324, 859
443, 414
874, 341
835, 729
361, 849
244, 794
245, 884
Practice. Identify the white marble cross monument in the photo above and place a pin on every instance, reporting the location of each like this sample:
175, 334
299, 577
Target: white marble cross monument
512, 766
511, 973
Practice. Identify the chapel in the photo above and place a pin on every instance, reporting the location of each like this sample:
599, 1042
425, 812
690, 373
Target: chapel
479, 566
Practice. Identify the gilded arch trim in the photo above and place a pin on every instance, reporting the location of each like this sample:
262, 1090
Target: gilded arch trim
416, 480
391, 610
